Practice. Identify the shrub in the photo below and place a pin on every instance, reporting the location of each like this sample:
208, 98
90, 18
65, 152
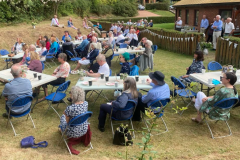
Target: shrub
125, 8
158, 6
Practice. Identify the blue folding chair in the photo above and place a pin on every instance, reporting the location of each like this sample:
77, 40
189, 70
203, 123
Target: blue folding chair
44, 54
158, 106
4, 52
51, 55
72, 57
75, 121
154, 48
123, 45
18, 103
182, 92
134, 70
43, 67
222, 105
58, 96
213, 66
131, 106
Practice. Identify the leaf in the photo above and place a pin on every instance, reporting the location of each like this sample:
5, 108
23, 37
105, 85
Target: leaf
144, 152
150, 158
144, 128
139, 144
149, 146
143, 133
144, 140
119, 153
154, 152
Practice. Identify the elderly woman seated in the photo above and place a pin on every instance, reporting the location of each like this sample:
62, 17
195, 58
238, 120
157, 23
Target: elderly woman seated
125, 65
146, 58
129, 93
91, 56
196, 67
203, 103
68, 46
79, 106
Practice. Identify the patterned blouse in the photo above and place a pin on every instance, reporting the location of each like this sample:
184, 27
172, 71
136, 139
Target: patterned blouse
62, 70
73, 111
196, 67
220, 94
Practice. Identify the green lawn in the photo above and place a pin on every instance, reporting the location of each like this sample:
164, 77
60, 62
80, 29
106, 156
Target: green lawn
185, 139
162, 13
164, 25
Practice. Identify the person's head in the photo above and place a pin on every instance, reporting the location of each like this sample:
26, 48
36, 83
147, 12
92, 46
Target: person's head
214, 19
79, 33
131, 27
16, 70
66, 33
94, 39
42, 44
228, 19
218, 17
119, 33
130, 20
95, 34
62, 57
179, 18
98, 23
32, 47
45, 38
93, 46
110, 34
115, 30
34, 56
68, 39
101, 60
55, 16
148, 44
204, 16
150, 20
112, 24
129, 86
84, 37
157, 78
124, 57
223, 19
107, 45
25, 47
40, 37
198, 56
127, 27
53, 39
229, 78
70, 19
19, 40
144, 39
77, 94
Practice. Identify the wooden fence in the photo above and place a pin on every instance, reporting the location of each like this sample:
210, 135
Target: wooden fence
228, 52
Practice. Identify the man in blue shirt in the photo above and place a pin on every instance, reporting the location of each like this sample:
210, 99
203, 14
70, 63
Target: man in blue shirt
160, 90
204, 23
217, 30
99, 26
83, 45
66, 34
16, 88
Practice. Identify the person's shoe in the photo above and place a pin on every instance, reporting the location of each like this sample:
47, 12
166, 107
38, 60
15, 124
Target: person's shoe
56, 102
213, 49
101, 129
5, 115
69, 99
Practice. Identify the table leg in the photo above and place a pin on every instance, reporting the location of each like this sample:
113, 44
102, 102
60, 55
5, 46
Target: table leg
201, 86
208, 90
37, 90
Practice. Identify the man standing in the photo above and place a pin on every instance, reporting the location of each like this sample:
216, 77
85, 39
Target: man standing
16, 88
229, 27
217, 30
178, 24
150, 23
204, 24
129, 22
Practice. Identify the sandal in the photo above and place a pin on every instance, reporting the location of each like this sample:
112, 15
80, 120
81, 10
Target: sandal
195, 120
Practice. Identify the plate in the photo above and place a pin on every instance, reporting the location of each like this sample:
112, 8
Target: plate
110, 84
85, 83
94, 79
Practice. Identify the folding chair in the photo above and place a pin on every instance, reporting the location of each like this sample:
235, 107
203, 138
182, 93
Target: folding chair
158, 107
58, 96
72, 57
44, 54
214, 66
131, 105
182, 92
223, 105
78, 120
51, 55
18, 103
4, 52
123, 45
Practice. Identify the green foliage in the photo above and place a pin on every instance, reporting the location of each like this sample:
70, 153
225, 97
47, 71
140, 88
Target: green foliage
159, 6
125, 8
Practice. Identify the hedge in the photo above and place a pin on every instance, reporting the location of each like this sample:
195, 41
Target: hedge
158, 6
155, 19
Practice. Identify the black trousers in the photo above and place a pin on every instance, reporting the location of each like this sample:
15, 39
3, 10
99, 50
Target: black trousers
58, 81
140, 107
104, 110
209, 38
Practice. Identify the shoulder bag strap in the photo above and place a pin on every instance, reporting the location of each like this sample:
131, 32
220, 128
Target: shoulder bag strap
42, 144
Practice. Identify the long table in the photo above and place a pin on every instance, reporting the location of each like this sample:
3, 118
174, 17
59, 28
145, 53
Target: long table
106, 39
74, 43
123, 50
203, 79
19, 55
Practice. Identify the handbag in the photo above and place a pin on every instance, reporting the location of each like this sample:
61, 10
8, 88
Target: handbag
29, 142
122, 134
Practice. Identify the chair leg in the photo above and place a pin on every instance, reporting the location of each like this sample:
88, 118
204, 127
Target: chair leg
112, 127
67, 146
209, 128
32, 120
65, 102
52, 88
145, 121
165, 127
132, 128
91, 147
15, 134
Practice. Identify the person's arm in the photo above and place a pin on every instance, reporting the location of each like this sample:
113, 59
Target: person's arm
219, 26
147, 52
93, 74
52, 23
147, 98
121, 101
233, 29
67, 117
109, 53
207, 24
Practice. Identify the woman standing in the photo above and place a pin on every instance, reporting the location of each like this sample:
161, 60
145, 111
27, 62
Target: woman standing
35, 63
129, 93
146, 59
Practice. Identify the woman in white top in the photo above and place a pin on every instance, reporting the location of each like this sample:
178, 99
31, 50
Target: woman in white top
55, 22
110, 36
79, 36
42, 45
18, 45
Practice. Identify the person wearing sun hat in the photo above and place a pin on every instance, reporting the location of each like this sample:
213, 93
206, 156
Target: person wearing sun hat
125, 65
160, 90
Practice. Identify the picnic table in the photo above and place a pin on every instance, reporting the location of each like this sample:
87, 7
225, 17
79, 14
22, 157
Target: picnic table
75, 42
204, 77
123, 50
106, 39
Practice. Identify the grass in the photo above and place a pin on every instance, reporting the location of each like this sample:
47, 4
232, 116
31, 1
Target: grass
164, 25
185, 139
162, 13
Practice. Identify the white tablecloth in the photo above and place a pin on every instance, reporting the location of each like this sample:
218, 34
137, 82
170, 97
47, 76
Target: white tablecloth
106, 39
100, 84
123, 50
7, 76
74, 43
19, 55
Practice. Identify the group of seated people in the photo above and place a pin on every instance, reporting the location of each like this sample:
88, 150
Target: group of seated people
140, 23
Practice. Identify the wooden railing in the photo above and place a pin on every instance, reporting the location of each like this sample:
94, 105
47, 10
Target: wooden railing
228, 52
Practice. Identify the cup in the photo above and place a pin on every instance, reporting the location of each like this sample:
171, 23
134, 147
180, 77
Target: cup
102, 75
132, 47
39, 77
143, 81
116, 84
35, 75
203, 71
104, 37
117, 49
121, 76
128, 47
107, 78
210, 81
90, 82
137, 78
221, 78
